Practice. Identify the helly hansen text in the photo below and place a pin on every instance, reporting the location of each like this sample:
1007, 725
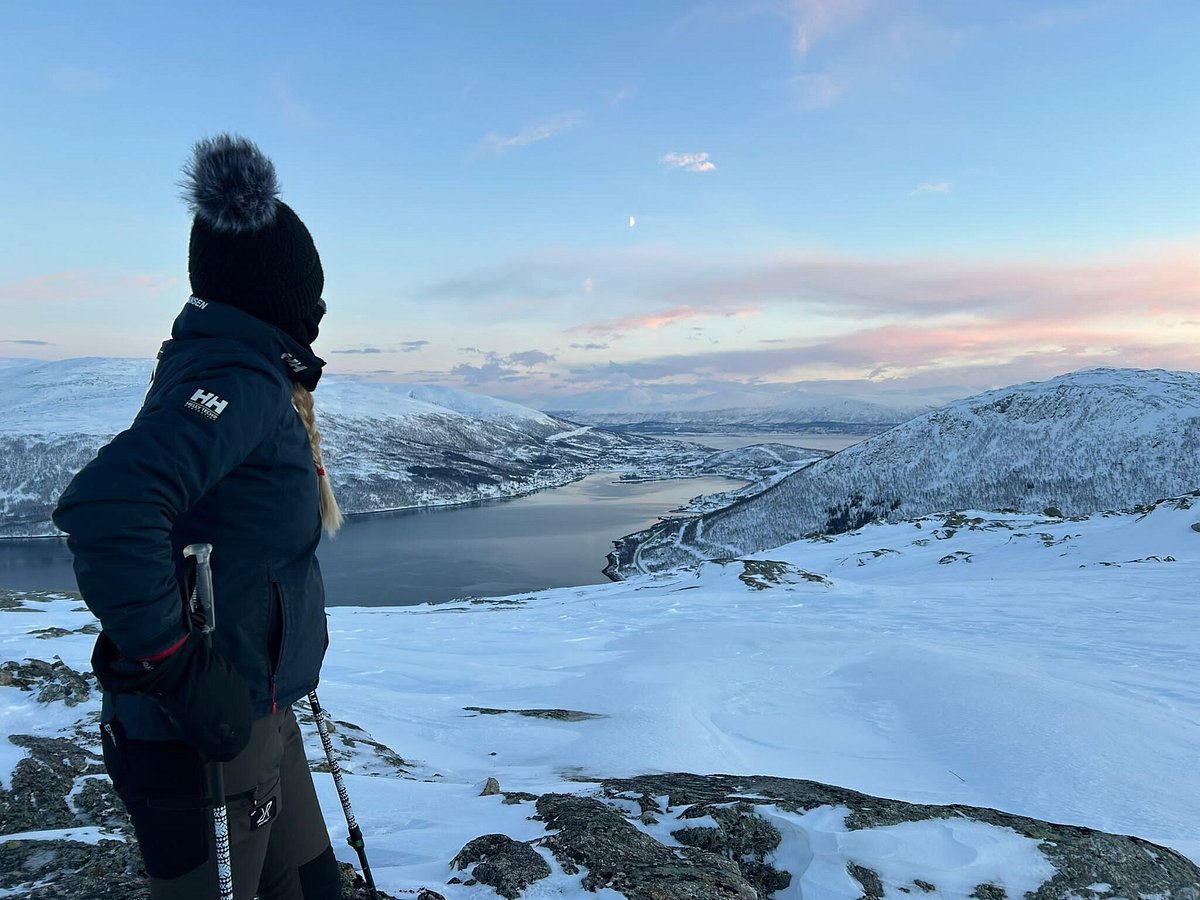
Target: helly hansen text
207, 403
196, 301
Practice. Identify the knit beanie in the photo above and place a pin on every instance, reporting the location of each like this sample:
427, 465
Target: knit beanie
248, 248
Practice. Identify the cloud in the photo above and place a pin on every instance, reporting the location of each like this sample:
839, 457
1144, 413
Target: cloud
652, 321
931, 319
619, 96
529, 358
531, 134
690, 162
492, 371
814, 20
366, 350
294, 111
819, 90
938, 187
499, 367
412, 346
29, 343
1047, 17
78, 80
807, 21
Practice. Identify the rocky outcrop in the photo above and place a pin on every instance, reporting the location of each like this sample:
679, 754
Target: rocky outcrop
617, 840
652, 837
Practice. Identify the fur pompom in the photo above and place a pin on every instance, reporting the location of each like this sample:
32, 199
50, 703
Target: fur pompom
230, 184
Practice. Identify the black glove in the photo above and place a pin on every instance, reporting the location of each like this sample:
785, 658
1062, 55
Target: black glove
202, 694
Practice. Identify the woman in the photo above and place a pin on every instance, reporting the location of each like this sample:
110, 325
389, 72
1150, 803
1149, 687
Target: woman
224, 451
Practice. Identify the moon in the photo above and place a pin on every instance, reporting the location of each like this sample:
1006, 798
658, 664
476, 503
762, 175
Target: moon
632, 221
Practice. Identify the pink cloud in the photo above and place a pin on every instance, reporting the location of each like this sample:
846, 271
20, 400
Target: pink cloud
653, 321
79, 285
976, 322
1160, 282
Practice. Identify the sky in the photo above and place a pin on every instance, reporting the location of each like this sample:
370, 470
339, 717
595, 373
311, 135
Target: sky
572, 204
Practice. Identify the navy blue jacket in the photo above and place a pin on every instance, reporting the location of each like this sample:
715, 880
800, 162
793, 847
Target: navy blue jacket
217, 455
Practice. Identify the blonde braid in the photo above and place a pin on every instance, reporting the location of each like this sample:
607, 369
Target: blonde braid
331, 515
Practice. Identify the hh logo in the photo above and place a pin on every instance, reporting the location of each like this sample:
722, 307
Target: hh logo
207, 404
295, 364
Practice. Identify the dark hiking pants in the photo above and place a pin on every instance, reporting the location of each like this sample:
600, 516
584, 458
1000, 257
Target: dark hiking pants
279, 846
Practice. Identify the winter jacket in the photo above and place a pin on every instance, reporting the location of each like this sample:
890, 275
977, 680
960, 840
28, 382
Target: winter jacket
217, 455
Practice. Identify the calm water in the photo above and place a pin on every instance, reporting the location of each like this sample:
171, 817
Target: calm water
554, 538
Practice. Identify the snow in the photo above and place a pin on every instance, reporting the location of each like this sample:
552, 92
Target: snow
1047, 669
954, 854
100, 396
1090, 441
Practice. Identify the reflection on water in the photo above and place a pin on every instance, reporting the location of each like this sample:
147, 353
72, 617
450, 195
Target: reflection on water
554, 538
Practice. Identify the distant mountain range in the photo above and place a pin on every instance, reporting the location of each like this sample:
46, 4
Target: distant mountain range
1091, 441
389, 446
743, 408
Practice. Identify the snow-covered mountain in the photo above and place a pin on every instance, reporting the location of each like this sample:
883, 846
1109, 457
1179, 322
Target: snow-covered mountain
1025, 663
1089, 441
746, 408
388, 446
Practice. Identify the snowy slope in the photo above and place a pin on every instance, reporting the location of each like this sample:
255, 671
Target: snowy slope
1085, 442
97, 395
1040, 666
387, 446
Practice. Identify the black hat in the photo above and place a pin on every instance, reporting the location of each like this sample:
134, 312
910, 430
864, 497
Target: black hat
248, 248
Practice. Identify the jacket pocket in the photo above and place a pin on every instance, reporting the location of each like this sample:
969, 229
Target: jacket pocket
304, 634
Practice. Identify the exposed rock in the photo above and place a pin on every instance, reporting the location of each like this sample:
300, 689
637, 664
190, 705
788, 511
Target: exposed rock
591, 835
383, 760
53, 681
54, 631
743, 838
558, 715
872, 886
491, 788
72, 870
42, 782
506, 865
762, 574
1082, 856
512, 798
355, 888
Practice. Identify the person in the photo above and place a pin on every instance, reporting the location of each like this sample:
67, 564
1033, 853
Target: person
224, 451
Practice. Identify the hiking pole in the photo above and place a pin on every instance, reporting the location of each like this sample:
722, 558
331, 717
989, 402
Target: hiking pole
203, 614
355, 838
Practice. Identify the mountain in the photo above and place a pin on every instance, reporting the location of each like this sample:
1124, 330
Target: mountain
747, 408
1089, 441
959, 665
388, 446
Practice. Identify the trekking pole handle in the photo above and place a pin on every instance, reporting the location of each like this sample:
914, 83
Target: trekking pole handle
203, 608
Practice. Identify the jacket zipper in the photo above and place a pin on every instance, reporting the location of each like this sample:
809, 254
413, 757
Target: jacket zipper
277, 600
